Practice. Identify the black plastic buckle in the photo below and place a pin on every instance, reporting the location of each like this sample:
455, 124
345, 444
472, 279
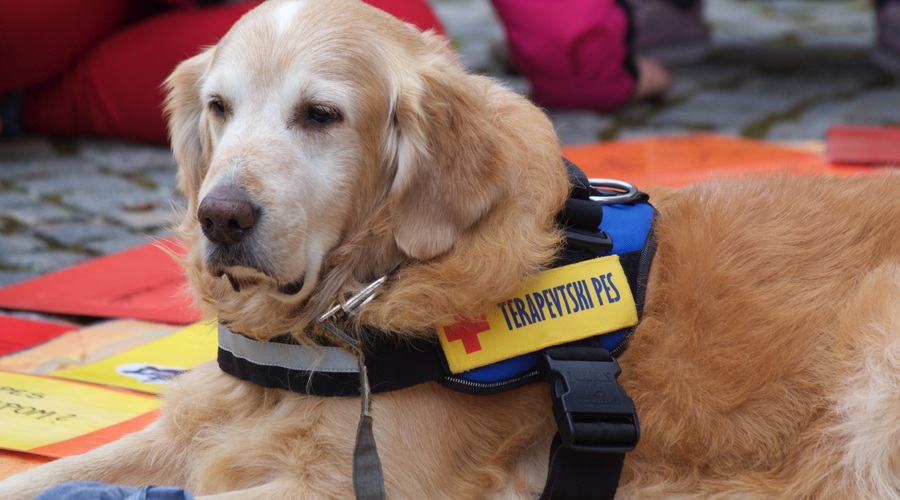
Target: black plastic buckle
598, 241
593, 412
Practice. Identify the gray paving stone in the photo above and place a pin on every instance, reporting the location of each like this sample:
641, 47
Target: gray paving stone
78, 233
45, 167
578, 127
127, 158
739, 26
95, 183
31, 212
475, 55
146, 219
468, 18
872, 108
516, 83
123, 242
811, 22
722, 110
10, 199
647, 131
814, 84
163, 179
878, 106
12, 277
638, 113
177, 204
844, 24
101, 201
721, 70
11, 244
45, 262
473, 27
161, 232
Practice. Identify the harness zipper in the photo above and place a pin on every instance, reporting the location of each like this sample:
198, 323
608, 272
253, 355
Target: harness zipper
492, 385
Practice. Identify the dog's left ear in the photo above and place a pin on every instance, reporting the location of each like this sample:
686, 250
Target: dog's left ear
451, 168
187, 128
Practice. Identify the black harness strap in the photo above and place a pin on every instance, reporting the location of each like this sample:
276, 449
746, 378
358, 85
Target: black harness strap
597, 423
596, 420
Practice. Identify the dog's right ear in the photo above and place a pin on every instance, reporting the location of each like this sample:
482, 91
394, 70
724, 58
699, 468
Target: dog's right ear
187, 127
450, 167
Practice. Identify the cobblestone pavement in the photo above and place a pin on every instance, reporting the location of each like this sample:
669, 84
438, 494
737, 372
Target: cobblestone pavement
780, 70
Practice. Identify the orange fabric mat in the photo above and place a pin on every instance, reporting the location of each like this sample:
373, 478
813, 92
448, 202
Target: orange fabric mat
680, 160
14, 462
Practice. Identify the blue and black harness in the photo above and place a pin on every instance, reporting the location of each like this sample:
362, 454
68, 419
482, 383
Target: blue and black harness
596, 419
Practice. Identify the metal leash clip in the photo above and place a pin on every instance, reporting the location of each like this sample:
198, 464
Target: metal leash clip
356, 302
623, 192
368, 478
348, 308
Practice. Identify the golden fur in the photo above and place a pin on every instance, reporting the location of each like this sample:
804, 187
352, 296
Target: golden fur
767, 363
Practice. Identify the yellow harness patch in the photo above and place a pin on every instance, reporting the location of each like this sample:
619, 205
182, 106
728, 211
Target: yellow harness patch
559, 305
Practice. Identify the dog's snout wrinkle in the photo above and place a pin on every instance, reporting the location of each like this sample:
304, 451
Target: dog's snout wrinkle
226, 215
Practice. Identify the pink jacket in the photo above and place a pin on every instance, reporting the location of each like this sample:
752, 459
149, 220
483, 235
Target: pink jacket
576, 53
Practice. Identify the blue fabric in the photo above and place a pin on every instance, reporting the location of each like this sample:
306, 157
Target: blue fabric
503, 370
91, 490
628, 225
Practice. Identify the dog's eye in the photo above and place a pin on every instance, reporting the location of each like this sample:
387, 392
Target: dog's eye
217, 106
319, 116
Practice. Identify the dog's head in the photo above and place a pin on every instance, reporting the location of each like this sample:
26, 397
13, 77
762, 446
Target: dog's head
321, 144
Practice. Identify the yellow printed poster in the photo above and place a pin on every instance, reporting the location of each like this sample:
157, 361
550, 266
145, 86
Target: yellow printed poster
148, 367
58, 417
84, 346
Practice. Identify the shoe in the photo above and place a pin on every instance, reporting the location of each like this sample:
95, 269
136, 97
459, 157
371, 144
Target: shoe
670, 31
887, 46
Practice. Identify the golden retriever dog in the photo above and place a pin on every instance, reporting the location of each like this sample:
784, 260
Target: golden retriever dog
342, 145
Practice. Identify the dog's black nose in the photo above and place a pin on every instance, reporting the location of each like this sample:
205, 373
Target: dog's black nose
226, 214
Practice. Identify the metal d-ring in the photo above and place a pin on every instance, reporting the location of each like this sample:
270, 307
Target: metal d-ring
627, 191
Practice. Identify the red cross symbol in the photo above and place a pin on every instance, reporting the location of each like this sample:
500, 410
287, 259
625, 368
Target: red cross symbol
467, 330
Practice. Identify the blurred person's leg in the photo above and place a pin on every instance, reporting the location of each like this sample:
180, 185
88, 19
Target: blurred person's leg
116, 89
887, 45
670, 31
575, 53
42, 38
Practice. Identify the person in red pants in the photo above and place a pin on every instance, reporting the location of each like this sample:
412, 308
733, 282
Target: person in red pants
96, 68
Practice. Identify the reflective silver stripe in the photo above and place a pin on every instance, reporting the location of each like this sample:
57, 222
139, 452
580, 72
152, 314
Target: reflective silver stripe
290, 356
